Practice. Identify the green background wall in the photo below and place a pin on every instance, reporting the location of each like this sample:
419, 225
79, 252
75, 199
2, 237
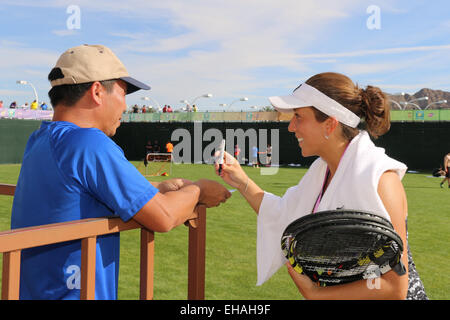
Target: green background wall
13, 138
421, 145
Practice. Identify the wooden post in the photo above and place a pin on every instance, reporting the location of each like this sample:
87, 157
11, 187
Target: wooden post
88, 253
11, 275
147, 264
196, 264
7, 189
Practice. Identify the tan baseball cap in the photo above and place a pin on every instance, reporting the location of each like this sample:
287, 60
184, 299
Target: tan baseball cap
89, 63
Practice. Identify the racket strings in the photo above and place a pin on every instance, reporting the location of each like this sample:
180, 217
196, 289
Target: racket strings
341, 251
339, 255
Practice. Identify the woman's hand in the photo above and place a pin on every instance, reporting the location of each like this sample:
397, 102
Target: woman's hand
307, 288
232, 172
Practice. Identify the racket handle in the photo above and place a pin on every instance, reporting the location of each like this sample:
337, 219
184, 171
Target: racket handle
220, 169
399, 268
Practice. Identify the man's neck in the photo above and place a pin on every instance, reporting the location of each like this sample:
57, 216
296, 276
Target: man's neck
74, 115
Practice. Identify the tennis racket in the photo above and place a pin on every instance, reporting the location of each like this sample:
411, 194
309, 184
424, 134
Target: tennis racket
341, 246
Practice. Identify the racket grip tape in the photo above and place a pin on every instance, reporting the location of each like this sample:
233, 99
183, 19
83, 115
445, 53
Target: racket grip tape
399, 268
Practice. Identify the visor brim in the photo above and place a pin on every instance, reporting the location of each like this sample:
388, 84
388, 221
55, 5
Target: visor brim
134, 85
288, 103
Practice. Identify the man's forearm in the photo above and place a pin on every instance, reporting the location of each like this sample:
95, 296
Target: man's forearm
155, 184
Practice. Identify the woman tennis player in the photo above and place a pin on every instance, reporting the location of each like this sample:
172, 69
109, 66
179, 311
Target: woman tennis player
333, 118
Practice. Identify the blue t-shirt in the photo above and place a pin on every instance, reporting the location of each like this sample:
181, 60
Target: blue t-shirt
71, 173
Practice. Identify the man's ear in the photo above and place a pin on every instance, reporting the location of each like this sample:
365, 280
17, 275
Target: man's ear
96, 92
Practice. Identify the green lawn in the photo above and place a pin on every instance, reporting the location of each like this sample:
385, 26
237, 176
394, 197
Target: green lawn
231, 241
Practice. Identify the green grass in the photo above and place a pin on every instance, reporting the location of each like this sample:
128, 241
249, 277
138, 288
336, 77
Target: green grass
231, 241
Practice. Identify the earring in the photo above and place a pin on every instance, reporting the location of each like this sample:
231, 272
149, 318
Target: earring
326, 137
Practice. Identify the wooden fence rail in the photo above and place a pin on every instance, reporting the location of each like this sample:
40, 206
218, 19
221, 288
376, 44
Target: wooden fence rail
12, 242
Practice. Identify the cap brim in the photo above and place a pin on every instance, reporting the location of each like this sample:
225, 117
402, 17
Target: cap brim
134, 85
287, 103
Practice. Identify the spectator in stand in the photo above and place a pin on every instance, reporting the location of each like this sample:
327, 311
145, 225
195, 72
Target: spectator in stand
24, 106
165, 109
34, 105
135, 109
144, 109
44, 106
149, 147
254, 158
237, 152
1, 104
269, 155
169, 109
156, 147
13, 105
169, 147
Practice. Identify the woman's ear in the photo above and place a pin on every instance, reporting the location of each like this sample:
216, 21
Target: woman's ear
330, 125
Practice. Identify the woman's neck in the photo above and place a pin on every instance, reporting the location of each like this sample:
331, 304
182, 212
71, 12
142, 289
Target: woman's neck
333, 154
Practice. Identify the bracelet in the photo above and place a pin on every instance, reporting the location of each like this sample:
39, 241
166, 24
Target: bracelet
246, 185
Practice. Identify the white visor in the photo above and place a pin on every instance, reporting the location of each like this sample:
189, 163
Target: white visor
308, 96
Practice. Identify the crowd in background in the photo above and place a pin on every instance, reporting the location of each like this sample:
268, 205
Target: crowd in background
132, 109
166, 109
32, 106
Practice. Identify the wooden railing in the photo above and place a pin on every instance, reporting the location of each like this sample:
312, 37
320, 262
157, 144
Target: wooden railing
12, 242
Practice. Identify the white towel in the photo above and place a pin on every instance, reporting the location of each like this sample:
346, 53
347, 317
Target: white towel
354, 186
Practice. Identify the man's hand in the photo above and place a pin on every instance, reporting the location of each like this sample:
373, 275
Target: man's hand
212, 193
172, 184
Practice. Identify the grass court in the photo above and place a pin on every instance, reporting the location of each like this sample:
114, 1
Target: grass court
231, 240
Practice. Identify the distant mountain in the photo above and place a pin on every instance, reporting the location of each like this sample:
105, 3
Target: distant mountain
433, 96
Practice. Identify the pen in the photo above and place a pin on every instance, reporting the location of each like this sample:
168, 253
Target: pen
221, 151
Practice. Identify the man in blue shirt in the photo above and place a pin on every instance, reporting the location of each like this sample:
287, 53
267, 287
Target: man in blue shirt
86, 175
44, 106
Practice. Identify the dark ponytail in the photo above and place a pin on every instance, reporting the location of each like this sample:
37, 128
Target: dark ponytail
376, 112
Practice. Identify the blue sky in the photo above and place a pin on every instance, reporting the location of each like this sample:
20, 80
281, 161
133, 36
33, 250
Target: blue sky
233, 48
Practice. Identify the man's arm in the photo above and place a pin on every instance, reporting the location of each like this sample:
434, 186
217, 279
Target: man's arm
155, 184
171, 184
167, 210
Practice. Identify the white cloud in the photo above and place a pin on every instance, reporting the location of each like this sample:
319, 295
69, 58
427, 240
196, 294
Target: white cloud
360, 53
64, 32
219, 45
18, 57
230, 48
5, 92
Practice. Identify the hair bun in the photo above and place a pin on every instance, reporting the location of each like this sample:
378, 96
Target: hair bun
375, 106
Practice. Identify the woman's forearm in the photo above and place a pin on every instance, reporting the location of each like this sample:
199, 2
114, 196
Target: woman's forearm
371, 289
252, 193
